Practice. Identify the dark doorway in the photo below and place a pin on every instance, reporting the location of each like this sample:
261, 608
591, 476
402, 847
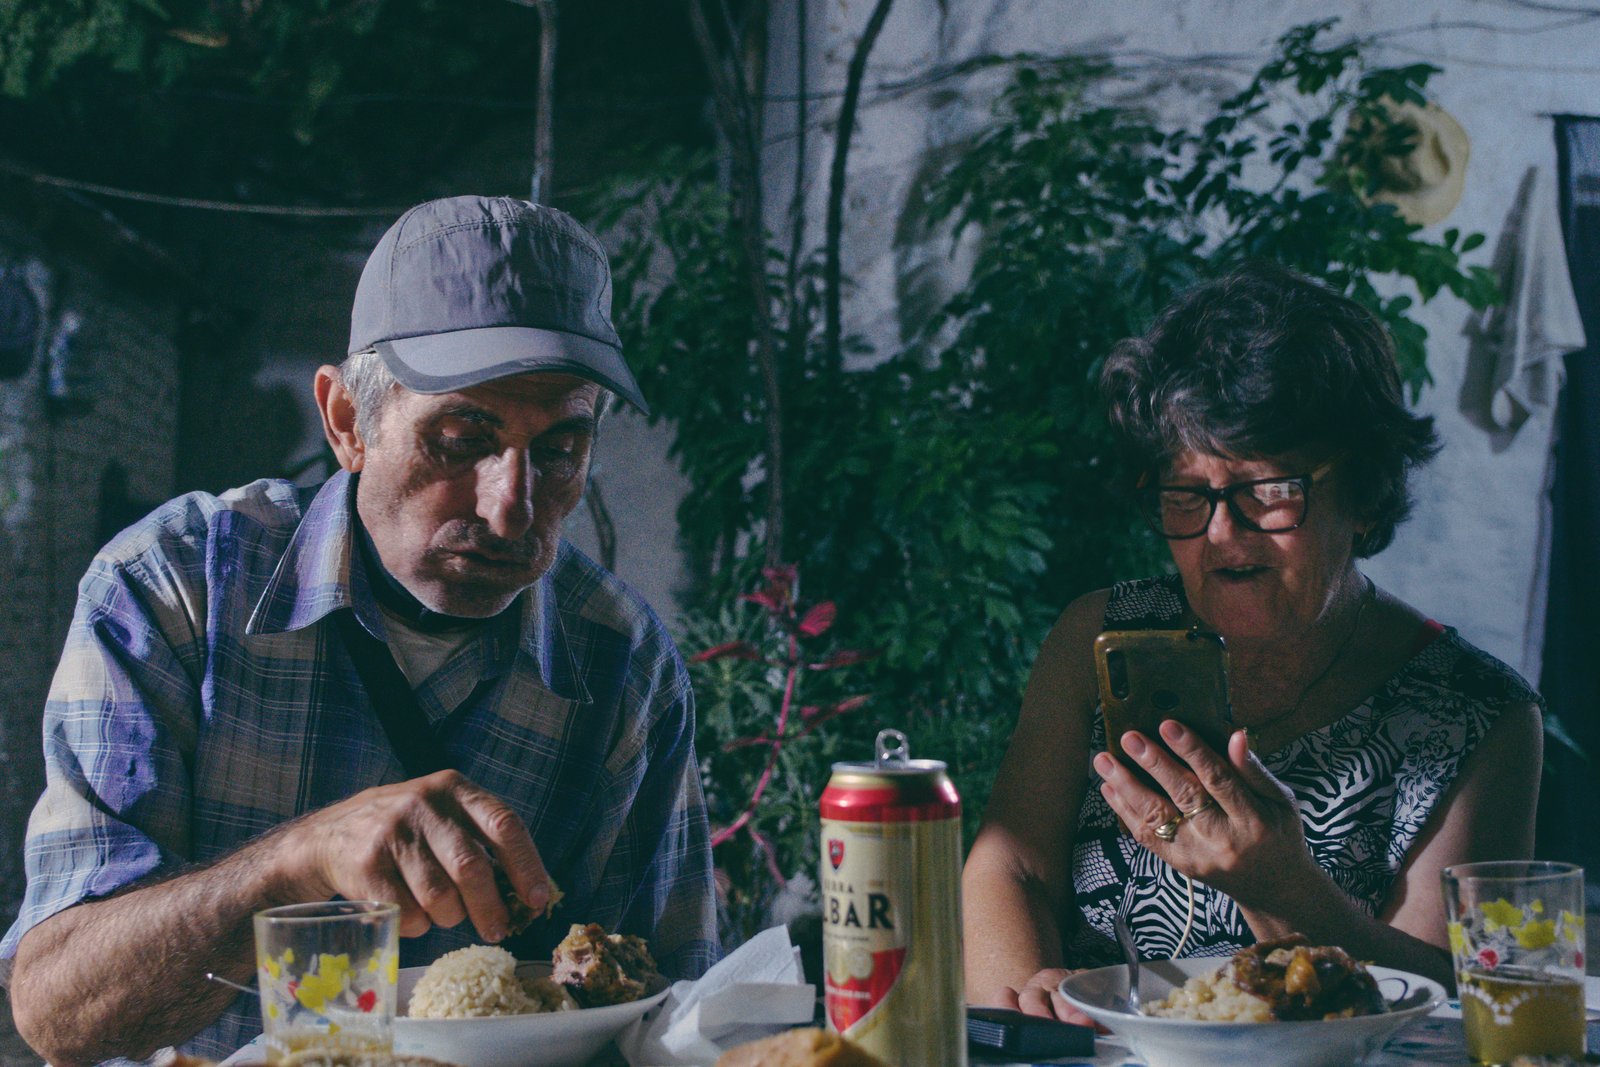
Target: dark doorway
1570, 678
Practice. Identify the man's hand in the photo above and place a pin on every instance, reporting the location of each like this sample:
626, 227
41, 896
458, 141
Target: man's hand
424, 844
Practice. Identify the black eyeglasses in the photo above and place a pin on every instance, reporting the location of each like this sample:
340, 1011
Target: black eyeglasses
1266, 505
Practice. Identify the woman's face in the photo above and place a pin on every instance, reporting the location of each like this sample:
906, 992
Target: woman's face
1247, 584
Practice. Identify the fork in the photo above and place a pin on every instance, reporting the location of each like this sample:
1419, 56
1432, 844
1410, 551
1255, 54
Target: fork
1131, 954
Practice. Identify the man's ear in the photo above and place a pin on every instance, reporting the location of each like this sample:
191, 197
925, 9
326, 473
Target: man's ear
338, 410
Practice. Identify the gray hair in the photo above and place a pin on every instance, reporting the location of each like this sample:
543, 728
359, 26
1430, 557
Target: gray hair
1262, 362
369, 382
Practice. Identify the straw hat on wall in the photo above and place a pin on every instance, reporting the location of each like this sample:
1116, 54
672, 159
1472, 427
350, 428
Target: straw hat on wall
1424, 184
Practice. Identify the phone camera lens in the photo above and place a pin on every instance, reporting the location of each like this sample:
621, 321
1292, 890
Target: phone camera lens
1117, 671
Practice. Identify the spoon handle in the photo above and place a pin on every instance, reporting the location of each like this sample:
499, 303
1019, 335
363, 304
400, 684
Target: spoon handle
231, 984
1131, 954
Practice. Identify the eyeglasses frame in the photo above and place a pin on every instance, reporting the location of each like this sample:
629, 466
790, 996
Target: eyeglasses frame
1225, 495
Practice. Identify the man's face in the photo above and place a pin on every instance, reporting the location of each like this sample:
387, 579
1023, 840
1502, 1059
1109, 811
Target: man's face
464, 493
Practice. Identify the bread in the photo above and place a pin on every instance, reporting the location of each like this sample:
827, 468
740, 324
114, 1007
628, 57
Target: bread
800, 1048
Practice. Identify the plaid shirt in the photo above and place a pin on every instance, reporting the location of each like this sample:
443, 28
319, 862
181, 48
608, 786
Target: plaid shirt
204, 697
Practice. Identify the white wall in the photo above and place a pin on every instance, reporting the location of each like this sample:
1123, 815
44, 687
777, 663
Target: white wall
1470, 556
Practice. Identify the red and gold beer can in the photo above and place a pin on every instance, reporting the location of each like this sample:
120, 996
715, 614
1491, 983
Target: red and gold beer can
891, 908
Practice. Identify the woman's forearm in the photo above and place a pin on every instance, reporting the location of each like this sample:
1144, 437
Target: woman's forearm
1321, 911
1010, 929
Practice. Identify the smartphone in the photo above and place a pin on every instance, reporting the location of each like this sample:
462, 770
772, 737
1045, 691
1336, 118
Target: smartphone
1149, 676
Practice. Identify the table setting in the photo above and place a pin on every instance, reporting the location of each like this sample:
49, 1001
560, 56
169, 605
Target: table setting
329, 982
760, 989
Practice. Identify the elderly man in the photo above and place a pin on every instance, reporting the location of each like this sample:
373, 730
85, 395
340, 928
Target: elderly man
382, 688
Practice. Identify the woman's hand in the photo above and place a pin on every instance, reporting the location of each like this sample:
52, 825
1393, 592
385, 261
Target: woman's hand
1039, 997
1245, 839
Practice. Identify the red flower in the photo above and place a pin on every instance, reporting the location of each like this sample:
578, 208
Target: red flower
730, 650
368, 1000
845, 657
818, 619
785, 574
1488, 957
771, 598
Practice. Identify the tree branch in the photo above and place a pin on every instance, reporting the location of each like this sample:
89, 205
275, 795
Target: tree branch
740, 124
543, 139
831, 278
541, 179
797, 200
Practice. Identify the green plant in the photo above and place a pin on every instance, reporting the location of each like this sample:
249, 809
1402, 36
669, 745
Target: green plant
764, 752
954, 496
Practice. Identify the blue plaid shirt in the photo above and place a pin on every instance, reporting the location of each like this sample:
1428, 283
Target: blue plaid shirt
204, 697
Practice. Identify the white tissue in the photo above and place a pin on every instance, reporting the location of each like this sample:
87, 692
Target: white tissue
759, 989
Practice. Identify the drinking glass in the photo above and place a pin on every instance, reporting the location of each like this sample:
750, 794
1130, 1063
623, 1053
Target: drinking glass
1516, 935
327, 974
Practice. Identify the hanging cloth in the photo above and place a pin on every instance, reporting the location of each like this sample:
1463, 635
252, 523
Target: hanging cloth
1515, 365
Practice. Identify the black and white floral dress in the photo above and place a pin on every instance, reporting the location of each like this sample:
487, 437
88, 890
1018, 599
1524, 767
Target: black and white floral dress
1367, 785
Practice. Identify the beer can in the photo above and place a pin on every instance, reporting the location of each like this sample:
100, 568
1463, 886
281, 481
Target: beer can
891, 908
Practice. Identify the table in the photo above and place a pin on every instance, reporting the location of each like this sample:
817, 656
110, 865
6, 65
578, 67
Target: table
1437, 1040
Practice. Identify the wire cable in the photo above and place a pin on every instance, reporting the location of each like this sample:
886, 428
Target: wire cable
1188, 922
294, 210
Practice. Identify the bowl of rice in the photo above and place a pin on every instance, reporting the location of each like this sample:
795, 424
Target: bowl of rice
479, 1007
1217, 1033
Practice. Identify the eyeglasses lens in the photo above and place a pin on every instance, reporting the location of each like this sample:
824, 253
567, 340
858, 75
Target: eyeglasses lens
1266, 506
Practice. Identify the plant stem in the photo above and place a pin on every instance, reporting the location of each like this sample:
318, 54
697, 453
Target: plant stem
790, 677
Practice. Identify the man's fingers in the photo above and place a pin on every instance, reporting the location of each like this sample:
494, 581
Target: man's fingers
381, 880
507, 838
468, 880
425, 876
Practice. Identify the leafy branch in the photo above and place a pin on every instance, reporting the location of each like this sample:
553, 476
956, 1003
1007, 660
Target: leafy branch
787, 628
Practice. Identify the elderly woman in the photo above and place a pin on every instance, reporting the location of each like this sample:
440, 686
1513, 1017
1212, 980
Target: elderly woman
1377, 746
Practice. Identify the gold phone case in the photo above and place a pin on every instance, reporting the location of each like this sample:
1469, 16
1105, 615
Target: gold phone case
1149, 676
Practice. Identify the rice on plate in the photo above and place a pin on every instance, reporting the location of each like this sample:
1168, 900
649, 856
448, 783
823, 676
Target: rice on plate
481, 981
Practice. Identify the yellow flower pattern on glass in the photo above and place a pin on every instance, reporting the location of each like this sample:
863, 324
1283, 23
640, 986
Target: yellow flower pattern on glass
323, 983
1535, 933
1507, 926
1500, 913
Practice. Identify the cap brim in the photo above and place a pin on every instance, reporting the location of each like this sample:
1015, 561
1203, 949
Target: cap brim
446, 362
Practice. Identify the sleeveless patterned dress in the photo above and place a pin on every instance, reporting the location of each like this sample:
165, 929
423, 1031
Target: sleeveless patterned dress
1367, 784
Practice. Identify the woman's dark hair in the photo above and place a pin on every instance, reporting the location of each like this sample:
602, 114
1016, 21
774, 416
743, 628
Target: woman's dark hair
1262, 362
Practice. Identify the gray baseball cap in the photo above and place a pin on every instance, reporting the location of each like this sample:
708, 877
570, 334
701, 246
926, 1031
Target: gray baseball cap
469, 289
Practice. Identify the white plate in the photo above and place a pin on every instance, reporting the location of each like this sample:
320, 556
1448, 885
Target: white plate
1102, 995
550, 1039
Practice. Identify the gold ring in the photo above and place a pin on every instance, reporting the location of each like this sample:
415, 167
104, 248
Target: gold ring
1202, 806
1168, 831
